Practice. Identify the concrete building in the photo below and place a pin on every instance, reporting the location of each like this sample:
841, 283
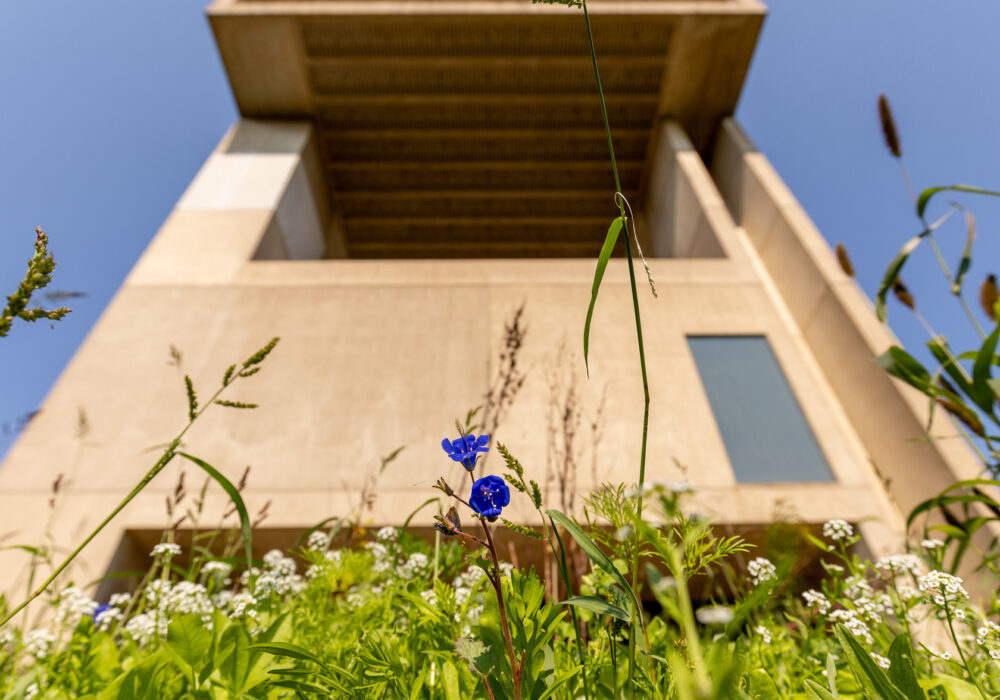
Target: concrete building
404, 176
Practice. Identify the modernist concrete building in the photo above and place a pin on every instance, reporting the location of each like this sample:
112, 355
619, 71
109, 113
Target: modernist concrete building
404, 176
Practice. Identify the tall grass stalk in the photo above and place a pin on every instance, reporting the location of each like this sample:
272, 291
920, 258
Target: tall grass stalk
620, 199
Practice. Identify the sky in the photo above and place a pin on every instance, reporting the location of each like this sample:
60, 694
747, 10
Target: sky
111, 106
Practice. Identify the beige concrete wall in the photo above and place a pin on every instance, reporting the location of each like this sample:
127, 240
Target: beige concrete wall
377, 354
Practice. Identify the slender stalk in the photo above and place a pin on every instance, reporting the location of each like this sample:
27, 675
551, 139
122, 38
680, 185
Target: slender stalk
515, 668
638, 331
961, 654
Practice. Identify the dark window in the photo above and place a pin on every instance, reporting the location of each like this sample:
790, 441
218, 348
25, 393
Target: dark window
762, 425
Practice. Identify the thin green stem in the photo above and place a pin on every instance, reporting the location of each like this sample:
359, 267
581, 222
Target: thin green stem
638, 330
961, 653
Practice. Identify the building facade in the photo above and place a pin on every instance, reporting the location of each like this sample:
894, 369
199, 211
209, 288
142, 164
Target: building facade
403, 178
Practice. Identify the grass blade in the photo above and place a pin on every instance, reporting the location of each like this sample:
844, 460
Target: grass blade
602, 262
234, 495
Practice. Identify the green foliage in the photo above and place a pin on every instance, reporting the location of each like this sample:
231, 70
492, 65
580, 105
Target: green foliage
38, 276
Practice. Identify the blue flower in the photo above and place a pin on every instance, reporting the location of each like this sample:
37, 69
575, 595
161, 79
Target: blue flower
489, 495
466, 449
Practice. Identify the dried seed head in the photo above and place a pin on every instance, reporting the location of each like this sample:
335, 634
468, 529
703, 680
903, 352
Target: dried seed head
903, 294
888, 127
988, 296
844, 260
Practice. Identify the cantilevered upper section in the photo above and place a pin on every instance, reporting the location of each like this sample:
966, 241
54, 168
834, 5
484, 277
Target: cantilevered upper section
473, 128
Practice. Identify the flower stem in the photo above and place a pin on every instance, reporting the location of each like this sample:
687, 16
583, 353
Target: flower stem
515, 668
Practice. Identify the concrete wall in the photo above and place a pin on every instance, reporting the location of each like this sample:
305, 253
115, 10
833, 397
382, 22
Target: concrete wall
377, 354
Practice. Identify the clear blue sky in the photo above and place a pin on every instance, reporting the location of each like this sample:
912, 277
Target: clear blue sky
110, 107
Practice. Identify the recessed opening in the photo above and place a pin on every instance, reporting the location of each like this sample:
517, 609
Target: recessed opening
765, 433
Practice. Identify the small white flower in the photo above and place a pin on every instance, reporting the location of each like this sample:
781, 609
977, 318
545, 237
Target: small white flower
218, 569
761, 570
833, 569
714, 615
106, 618
38, 643
430, 596
31, 691
318, 541
816, 601
880, 660
931, 543
387, 534
837, 530
119, 600
898, 564
764, 633
942, 588
166, 550
853, 623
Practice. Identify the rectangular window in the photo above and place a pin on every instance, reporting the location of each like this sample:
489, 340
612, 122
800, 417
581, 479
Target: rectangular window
765, 433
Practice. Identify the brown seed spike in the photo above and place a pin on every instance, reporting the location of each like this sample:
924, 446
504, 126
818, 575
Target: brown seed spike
903, 295
988, 296
844, 260
888, 127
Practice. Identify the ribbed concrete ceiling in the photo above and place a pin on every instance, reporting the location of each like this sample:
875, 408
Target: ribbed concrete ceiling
473, 129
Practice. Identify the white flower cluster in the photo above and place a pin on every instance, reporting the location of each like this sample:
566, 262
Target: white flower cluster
857, 587
318, 541
387, 534
381, 554
714, 615
187, 598
119, 600
242, 604
931, 543
941, 588
74, 604
853, 623
6, 636
988, 637
761, 570
31, 691
104, 619
144, 626
874, 608
416, 565
217, 569
166, 550
429, 596
816, 601
837, 530
764, 633
279, 576
881, 661
900, 564
38, 643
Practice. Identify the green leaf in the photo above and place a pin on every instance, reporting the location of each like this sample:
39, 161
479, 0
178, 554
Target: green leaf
982, 392
956, 688
449, 676
599, 606
817, 692
480, 658
761, 686
237, 500
189, 641
595, 553
901, 671
966, 261
875, 684
925, 196
892, 272
602, 263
